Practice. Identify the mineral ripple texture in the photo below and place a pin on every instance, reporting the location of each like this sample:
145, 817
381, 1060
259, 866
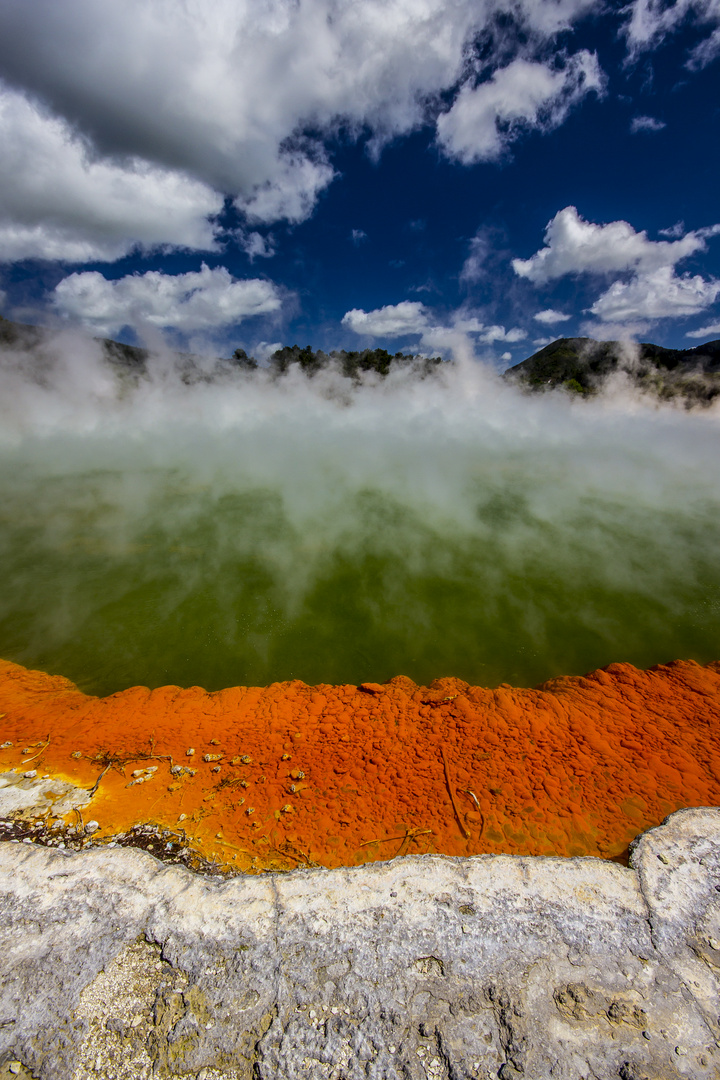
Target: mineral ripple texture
118, 966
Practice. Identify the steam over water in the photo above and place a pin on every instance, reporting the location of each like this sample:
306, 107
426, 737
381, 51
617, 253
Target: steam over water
241, 531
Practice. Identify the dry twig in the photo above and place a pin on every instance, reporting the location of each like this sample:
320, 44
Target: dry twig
40, 751
463, 830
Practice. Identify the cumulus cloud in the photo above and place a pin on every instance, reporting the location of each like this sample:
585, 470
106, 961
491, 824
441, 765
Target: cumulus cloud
412, 318
576, 246
659, 294
393, 320
153, 111
59, 201
291, 193
525, 94
487, 334
646, 123
550, 316
654, 291
205, 300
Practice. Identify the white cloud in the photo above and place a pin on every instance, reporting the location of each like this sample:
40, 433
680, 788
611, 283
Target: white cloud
646, 123
658, 294
651, 21
291, 193
708, 49
673, 231
615, 331
473, 269
357, 236
152, 109
705, 331
550, 316
264, 349
541, 341
576, 246
59, 201
412, 317
489, 334
255, 245
206, 300
393, 320
525, 94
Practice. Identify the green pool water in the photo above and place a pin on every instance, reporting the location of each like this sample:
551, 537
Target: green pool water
124, 566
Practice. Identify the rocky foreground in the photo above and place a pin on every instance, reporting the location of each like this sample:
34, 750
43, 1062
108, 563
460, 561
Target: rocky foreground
117, 966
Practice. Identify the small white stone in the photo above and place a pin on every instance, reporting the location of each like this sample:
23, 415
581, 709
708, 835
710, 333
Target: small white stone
30, 774
15, 1067
312, 1014
92, 826
136, 1020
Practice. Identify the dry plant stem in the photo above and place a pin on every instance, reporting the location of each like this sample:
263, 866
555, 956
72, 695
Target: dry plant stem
40, 751
409, 835
473, 796
463, 830
96, 785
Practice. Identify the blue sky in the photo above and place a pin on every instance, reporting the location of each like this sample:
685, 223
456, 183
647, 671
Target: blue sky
426, 175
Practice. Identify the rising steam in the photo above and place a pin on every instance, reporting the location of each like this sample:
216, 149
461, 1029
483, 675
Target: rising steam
233, 528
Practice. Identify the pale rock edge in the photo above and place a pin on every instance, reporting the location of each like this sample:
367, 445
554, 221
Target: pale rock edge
115, 965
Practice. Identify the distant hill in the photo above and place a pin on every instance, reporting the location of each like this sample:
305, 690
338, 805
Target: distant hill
352, 364
582, 366
23, 336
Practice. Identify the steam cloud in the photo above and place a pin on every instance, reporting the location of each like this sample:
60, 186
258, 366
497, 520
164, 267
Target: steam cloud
233, 528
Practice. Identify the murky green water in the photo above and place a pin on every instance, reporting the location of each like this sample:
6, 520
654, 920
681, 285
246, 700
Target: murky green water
152, 572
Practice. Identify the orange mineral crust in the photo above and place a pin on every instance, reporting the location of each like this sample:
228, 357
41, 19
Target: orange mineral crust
290, 774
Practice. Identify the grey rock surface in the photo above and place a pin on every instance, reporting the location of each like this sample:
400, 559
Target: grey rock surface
117, 966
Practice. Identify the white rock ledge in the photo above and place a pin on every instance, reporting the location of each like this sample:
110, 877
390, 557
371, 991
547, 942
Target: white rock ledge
117, 966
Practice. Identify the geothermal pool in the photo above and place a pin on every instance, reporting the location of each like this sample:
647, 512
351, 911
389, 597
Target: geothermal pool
280, 549
252, 532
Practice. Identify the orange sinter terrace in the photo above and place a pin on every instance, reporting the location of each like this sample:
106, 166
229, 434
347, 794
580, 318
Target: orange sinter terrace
275, 777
